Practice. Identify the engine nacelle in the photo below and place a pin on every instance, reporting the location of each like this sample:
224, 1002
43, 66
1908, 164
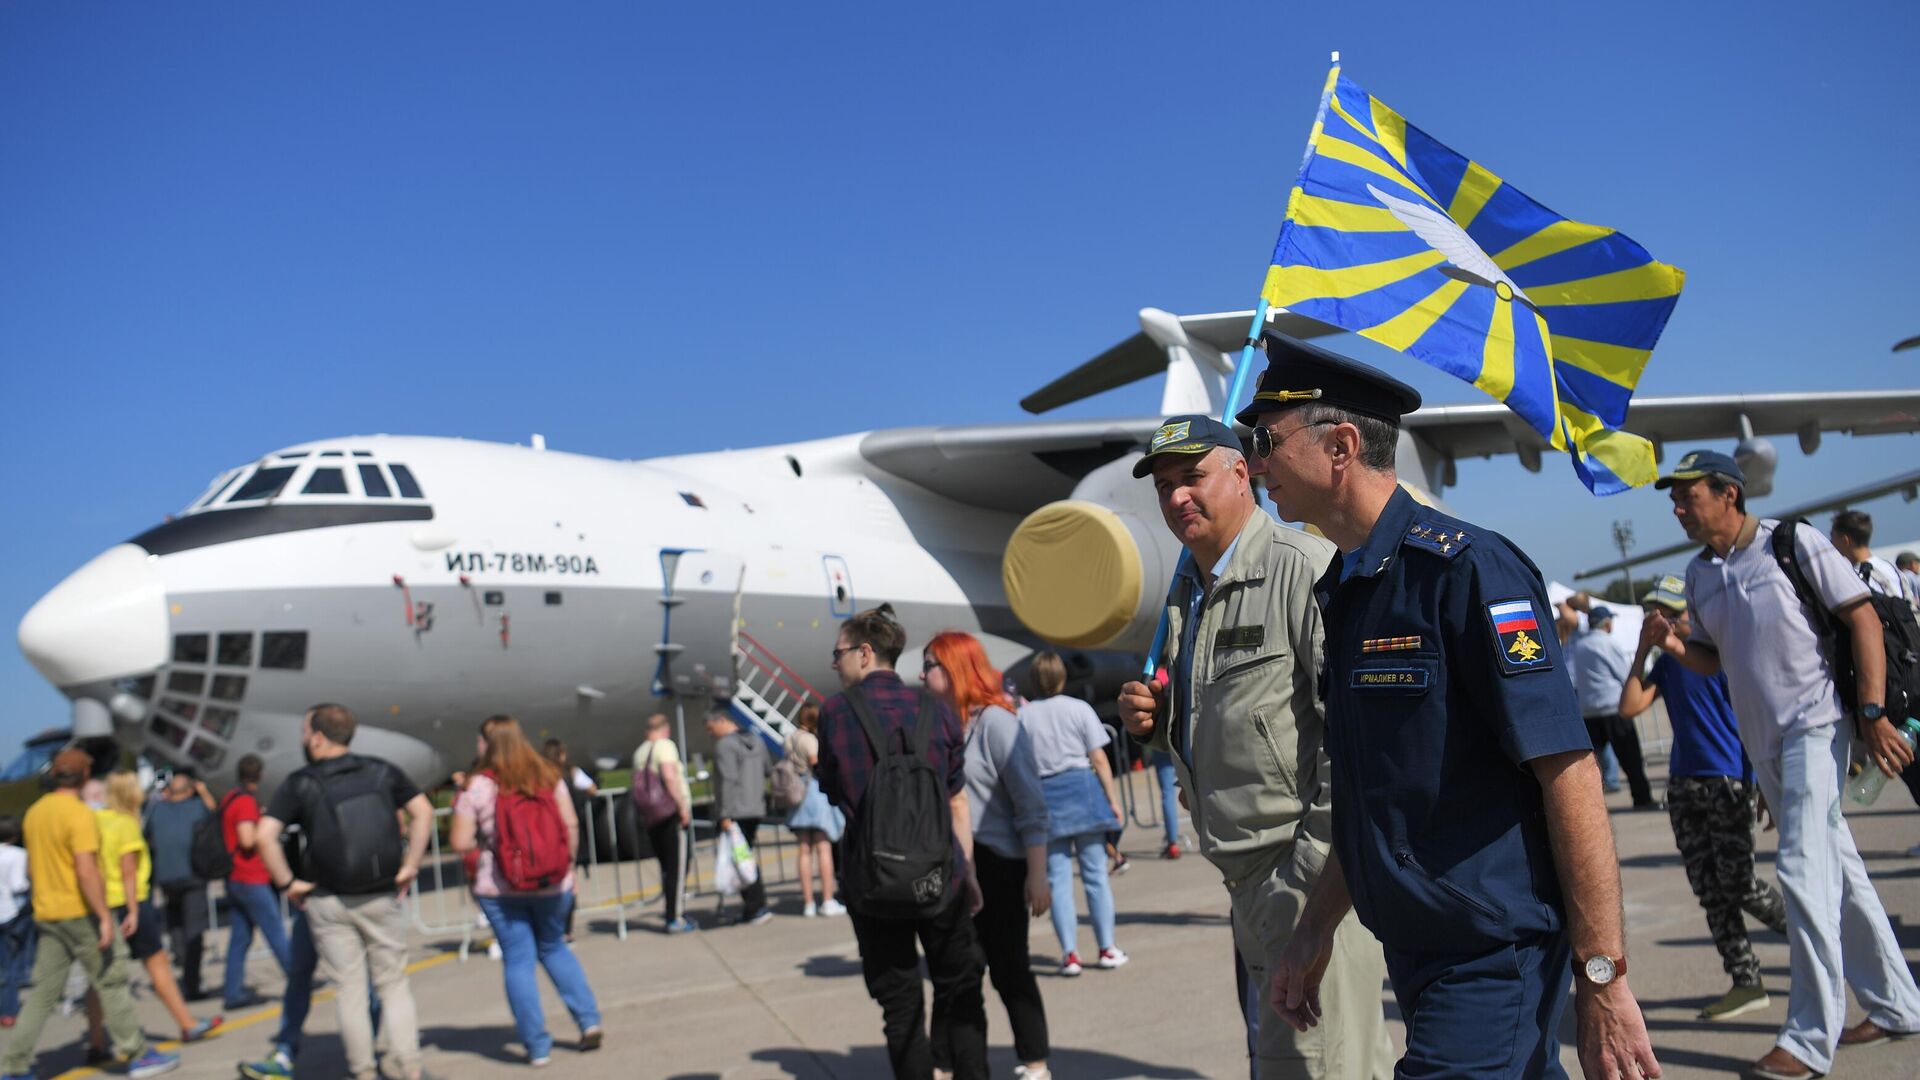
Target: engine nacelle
1757, 459
1091, 572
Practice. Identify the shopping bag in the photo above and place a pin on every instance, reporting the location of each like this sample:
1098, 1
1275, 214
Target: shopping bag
726, 874
745, 869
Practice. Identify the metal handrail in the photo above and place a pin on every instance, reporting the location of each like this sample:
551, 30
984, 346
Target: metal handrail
784, 677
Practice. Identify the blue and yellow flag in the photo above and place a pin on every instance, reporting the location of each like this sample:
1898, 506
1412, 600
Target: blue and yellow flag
1401, 240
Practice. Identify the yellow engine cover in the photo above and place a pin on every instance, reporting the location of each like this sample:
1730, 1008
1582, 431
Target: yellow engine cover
1072, 574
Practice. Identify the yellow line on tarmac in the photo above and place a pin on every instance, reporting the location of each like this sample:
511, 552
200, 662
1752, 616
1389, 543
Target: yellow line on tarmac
270, 1013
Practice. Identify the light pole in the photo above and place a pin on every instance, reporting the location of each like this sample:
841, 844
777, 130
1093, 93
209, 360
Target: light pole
1623, 539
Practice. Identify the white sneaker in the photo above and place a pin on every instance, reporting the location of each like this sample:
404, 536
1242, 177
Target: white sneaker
810, 910
833, 907
1112, 958
1070, 965
493, 951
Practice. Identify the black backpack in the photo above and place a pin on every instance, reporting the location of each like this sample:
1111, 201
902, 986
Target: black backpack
900, 841
209, 857
1898, 629
354, 846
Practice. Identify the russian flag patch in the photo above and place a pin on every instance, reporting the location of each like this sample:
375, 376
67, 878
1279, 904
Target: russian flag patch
1517, 636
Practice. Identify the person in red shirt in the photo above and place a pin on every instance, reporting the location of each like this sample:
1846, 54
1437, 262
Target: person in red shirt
251, 902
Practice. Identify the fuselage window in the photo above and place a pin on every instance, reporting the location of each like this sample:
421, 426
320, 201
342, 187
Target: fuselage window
186, 682
494, 598
285, 650
553, 599
374, 484
263, 484
229, 687
403, 479
326, 482
189, 648
236, 650
220, 720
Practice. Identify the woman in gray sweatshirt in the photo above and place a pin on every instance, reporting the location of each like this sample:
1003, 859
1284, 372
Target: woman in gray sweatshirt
1009, 836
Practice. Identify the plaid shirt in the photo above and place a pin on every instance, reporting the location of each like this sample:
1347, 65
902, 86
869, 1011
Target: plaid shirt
847, 759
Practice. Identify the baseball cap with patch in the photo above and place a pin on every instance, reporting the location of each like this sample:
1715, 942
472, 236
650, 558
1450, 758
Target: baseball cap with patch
1190, 434
1669, 592
1698, 463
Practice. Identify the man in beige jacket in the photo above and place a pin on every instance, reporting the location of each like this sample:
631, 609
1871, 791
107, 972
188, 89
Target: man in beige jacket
1242, 719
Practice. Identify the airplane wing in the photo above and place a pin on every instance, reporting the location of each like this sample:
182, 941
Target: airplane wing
1482, 430
1908, 483
1015, 467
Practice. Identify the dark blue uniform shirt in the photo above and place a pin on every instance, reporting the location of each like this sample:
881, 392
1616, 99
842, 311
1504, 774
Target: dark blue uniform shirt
1443, 679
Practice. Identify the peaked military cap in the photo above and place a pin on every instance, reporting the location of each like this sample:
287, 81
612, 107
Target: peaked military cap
1189, 434
1298, 373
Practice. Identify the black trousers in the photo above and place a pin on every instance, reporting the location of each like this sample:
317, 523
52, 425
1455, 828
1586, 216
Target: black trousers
1619, 732
1001, 930
669, 844
891, 964
185, 915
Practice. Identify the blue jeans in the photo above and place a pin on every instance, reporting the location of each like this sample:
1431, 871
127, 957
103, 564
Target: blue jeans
299, 996
1169, 795
16, 960
532, 932
251, 906
1092, 853
1837, 931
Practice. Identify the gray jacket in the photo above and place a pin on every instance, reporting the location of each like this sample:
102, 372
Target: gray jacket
743, 764
1003, 785
1254, 722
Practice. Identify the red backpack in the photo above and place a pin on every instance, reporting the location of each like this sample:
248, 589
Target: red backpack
530, 848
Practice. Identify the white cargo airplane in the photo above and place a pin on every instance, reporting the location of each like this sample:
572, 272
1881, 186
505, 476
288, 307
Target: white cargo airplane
430, 582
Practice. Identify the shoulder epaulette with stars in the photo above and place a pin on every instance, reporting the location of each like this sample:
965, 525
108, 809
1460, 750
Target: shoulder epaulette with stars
1439, 539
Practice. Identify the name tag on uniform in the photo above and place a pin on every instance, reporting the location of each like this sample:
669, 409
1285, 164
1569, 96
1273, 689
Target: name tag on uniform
1240, 637
1391, 678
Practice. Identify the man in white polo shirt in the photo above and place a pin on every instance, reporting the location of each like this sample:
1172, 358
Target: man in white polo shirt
1749, 622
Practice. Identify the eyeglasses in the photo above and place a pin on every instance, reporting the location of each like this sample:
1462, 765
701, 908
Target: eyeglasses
838, 653
928, 665
1264, 443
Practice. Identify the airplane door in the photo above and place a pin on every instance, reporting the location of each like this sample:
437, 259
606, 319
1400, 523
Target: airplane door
839, 586
700, 622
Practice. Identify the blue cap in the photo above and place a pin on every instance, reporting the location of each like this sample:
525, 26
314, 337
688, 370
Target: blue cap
1699, 463
1189, 434
1298, 374
1598, 614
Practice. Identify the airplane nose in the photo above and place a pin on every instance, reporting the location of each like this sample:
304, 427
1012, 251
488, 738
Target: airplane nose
107, 620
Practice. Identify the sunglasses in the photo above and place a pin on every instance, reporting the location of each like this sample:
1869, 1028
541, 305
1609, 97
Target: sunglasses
1264, 443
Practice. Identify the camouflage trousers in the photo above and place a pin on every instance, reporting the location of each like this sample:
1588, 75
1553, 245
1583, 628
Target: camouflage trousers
1713, 826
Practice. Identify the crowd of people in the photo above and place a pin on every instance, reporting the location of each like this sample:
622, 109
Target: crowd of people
1388, 740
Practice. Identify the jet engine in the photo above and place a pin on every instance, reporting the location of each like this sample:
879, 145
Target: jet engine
1756, 458
1090, 571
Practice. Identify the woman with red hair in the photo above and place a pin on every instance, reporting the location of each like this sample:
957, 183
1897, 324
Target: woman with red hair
1009, 835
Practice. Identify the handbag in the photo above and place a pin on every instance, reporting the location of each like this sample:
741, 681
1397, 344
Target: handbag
653, 801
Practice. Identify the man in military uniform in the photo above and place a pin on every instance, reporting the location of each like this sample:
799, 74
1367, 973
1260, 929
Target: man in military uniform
1243, 725
1469, 829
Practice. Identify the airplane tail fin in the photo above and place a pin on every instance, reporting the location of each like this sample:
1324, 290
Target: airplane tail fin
1197, 352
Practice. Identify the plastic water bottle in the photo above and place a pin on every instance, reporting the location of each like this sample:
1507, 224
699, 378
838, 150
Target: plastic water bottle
1866, 787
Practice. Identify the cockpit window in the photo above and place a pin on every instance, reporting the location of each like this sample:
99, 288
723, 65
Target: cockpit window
265, 483
326, 482
374, 484
403, 479
218, 488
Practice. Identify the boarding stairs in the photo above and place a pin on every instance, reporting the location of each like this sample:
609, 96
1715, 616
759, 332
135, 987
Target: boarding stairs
767, 693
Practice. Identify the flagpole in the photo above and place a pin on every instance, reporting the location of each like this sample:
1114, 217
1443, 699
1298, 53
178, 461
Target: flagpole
1234, 390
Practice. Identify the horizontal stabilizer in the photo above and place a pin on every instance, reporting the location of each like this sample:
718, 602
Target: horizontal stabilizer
1140, 356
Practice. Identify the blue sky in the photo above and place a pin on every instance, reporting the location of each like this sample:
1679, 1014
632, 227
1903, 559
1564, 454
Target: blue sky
642, 229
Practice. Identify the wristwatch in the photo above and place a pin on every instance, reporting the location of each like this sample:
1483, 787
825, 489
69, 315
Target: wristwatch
1601, 969
1872, 711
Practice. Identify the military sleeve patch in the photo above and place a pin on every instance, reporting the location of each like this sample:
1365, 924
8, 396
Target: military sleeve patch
1438, 539
1517, 637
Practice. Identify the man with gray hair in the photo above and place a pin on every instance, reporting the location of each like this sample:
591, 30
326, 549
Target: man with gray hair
1242, 719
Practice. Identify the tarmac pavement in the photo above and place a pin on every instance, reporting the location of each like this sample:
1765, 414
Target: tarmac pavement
785, 999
